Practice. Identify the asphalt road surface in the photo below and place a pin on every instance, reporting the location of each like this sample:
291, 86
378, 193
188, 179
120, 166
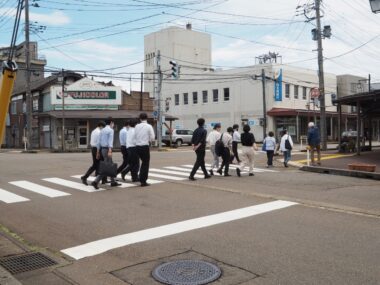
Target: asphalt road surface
282, 226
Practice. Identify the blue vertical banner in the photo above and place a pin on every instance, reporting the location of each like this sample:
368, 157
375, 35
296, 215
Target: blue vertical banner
278, 87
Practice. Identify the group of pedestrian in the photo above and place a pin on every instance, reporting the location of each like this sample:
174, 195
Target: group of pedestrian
135, 138
223, 145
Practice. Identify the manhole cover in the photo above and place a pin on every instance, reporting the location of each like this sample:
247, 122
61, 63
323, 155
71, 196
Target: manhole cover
186, 272
26, 262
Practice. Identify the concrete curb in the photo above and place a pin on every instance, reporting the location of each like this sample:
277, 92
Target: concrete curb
6, 278
342, 172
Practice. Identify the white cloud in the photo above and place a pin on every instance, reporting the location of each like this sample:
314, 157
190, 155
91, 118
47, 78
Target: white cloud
56, 18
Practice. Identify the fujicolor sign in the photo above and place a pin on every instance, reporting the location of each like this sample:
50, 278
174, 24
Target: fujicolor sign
85, 95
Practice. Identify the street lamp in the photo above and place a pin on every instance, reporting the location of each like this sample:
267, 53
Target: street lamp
375, 6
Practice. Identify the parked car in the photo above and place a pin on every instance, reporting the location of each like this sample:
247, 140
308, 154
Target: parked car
179, 137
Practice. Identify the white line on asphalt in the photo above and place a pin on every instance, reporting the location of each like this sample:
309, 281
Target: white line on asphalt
92, 178
9, 197
174, 172
33, 187
71, 184
166, 176
150, 181
103, 245
187, 170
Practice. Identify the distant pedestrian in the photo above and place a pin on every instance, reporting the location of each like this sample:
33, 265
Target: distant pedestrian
212, 138
198, 142
270, 146
286, 146
94, 140
314, 142
226, 155
123, 147
133, 158
248, 148
235, 142
105, 146
144, 136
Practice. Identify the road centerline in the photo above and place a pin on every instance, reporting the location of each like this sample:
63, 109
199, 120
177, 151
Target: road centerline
103, 245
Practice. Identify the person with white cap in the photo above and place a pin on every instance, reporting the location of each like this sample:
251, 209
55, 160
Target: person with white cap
314, 142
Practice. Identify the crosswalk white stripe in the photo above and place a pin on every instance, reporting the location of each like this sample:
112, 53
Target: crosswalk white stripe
9, 197
187, 170
92, 178
232, 166
33, 187
103, 245
166, 176
72, 184
150, 181
175, 172
209, 165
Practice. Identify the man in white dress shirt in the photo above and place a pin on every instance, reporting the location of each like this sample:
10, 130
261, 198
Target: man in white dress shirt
94, 143
133, 159
235, 141
123, 147
144, 136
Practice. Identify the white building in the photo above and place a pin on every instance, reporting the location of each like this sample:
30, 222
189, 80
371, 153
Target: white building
235, 95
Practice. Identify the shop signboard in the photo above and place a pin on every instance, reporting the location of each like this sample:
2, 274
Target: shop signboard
278, 86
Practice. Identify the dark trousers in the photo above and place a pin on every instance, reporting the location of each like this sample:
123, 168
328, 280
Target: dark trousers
200, 162
95, 163
226, 159
124, 152
144, 154
104, 157
270, 154
133, 163
235, 151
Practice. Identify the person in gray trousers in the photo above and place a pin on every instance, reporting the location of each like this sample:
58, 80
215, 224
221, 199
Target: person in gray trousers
212, 138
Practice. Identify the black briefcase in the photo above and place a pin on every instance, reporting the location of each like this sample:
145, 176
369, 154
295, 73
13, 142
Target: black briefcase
108, 169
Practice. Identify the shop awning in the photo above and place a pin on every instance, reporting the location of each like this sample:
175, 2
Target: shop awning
287, 112
101, 114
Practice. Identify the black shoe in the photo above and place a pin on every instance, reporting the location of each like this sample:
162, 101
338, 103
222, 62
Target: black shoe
238, 172
192, 178
84, 180
207, 176
284, 163
114, 184
95, 185
226, 174
220, 171
211, 172
135, 180
123, 176
145, 184
105, 181
251, 174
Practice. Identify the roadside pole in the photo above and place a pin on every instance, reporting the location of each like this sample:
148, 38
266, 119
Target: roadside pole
158, 98
29, 98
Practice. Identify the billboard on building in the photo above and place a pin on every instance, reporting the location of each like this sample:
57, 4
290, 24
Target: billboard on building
86, 94
278, 86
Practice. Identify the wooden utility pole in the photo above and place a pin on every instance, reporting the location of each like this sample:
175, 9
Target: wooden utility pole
29, 98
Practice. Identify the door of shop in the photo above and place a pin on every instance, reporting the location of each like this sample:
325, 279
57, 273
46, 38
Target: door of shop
82, 135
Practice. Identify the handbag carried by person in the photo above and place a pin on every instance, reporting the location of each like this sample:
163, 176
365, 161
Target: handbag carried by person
219, 146
288, 145
264, 147
108, 169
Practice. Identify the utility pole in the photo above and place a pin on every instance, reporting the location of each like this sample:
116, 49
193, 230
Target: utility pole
63, 109
29, 99
158, 98
141, 91
321, 77
264, 104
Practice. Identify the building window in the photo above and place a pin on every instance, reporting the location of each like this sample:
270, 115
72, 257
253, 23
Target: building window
287, 90
215, 95
176, 99
304, 93
14, 108
226, 92
295, 91
185, 98
195, 97
35, 104
205, 96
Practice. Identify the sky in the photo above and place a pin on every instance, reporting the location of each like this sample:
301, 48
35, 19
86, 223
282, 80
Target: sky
89, 35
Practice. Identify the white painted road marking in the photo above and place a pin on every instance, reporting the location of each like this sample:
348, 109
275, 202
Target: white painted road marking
33, 187
165, 176
103, 245
184, 169
71, 184
92, 178
174, 172
9, 197
150, 181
